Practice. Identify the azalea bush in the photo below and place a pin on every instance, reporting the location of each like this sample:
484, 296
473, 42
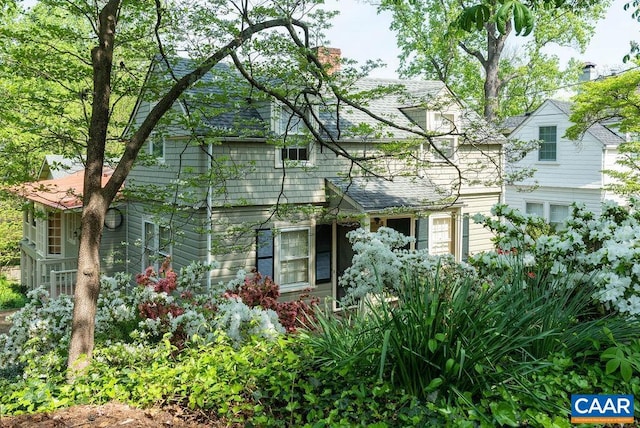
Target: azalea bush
381, 260
588, 248
164, 304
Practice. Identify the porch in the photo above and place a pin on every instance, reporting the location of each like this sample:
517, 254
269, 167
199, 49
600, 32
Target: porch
58, 275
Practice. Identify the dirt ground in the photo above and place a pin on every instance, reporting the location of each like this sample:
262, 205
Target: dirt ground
112, 415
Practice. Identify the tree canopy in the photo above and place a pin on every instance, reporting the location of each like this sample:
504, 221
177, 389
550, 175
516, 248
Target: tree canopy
466, 46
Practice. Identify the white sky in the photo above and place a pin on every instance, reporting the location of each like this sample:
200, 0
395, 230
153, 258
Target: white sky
362, 34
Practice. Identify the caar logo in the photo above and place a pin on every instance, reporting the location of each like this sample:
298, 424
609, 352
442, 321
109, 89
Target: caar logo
603, 409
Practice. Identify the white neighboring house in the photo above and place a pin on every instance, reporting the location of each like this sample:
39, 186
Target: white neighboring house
566, 171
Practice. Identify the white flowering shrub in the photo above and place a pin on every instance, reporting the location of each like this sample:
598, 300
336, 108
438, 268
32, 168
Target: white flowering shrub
602, 248
162, 304
380, 260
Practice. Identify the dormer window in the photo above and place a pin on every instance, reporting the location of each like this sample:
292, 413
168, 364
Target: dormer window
442, 123
295, 150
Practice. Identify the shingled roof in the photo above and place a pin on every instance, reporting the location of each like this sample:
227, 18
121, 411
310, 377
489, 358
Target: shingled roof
375, 194
224, 93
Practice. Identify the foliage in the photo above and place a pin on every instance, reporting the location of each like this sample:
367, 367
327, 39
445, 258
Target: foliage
588, 249
163, 306
262, 292
11, 296
439, 336
10, 233
615, 102
381, 260
475, 65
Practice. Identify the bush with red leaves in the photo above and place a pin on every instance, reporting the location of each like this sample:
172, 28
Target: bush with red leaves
258, 290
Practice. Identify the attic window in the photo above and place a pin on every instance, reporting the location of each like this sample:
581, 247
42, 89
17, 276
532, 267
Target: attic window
156, 147
290, 122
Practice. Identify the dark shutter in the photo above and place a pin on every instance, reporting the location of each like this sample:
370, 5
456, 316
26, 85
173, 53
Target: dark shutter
324, 234
264, 252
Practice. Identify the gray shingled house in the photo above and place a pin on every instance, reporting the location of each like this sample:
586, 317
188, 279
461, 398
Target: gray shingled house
242, 181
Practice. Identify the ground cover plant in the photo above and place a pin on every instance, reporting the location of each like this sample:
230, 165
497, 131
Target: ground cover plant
11, 296
422, 342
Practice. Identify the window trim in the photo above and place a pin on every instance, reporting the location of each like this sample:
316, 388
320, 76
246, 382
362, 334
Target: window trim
545, 143
546, 208
278, 259
152, 254
152, 143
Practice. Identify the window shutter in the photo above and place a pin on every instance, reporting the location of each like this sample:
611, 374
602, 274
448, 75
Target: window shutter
465, 238
264, 252
422, 233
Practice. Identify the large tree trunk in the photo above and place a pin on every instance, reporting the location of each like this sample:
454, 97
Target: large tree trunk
495, 46
95, 200
88, 284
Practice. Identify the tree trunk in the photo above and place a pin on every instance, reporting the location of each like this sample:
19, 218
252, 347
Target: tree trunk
95, 200
495, 46
87, 284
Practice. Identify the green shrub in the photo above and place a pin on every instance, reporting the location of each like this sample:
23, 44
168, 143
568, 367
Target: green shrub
11, 295
449, 339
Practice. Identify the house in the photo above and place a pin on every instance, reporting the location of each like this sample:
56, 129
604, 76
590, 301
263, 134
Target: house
235, 177
565, 171
252, 187
51, 227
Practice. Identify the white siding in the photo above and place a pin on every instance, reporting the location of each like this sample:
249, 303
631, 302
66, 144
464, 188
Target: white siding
592, 198
578, 164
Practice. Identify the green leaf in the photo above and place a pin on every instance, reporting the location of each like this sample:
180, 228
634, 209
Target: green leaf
432, 345
626, 371
612, 366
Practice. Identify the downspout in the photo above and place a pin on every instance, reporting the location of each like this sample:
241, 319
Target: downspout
209, 214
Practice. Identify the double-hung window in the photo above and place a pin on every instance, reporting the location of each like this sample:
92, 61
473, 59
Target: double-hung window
548, 143
294, 257
156, 147
558, 214
295, 149
285, 256
157, 245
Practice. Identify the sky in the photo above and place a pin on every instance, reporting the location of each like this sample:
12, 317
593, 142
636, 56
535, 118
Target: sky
362, 34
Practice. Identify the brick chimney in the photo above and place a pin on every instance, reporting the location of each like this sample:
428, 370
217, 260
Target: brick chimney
329, 57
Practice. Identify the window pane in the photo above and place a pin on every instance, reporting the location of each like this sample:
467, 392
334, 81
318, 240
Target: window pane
558, 213
294, 271
442, 236
547, 151
535, 209
165, 240
294, 257
54, 233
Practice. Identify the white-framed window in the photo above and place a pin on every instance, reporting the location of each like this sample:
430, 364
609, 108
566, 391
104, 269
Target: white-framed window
157, 244
558, 214
442, 239
443, 123
54, 233
156, 147
295, 149
554, 213
294, 258
535, 208
73, 226
296, 152
547, 152
446, 146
